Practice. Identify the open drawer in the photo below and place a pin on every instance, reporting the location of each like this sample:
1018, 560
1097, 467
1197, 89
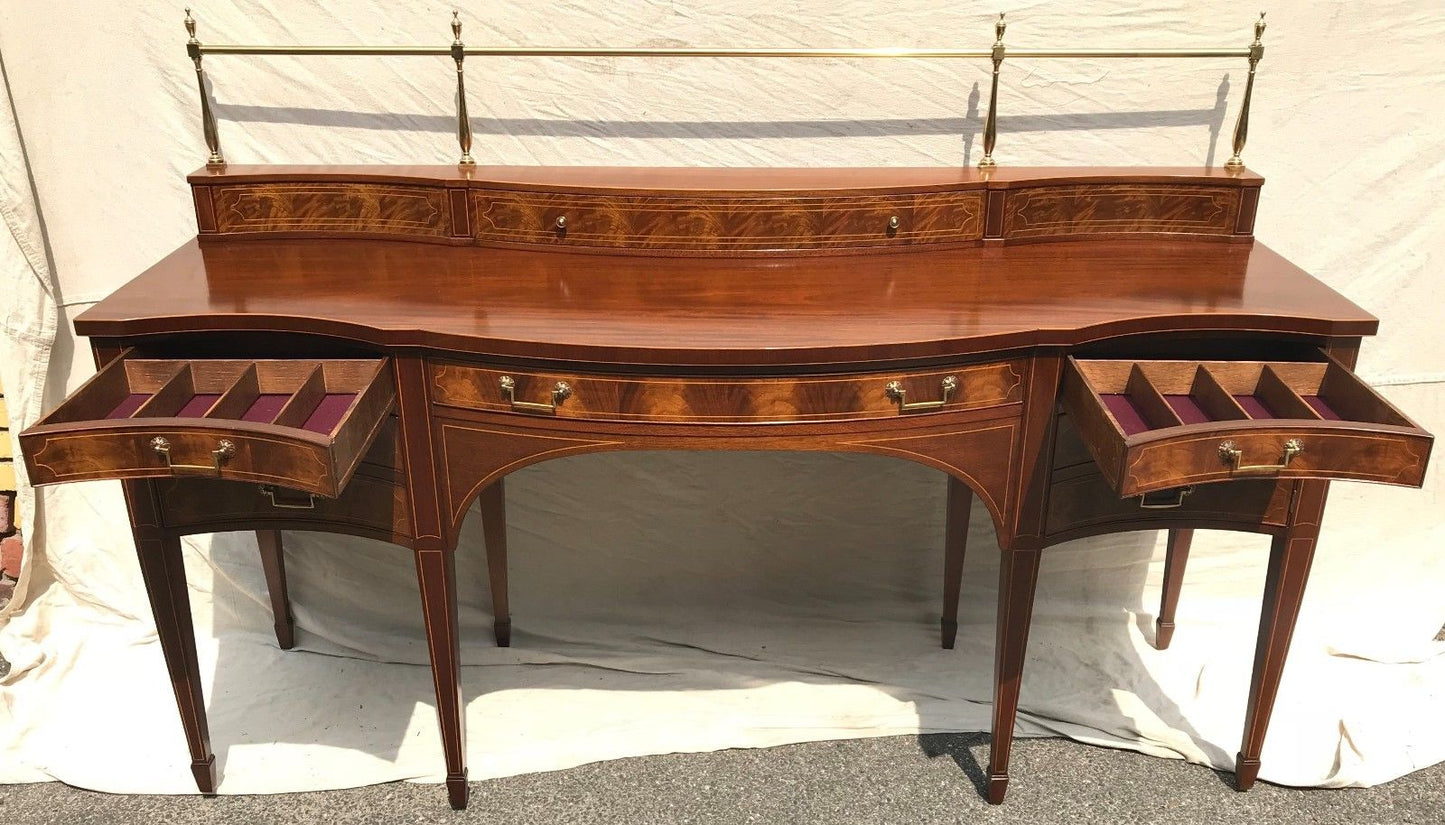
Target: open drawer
303, 424
1153, 425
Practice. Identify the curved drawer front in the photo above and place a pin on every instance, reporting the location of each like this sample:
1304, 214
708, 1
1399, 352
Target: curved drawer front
325, 207
1152, 425
727, 400
735, 223
298, 424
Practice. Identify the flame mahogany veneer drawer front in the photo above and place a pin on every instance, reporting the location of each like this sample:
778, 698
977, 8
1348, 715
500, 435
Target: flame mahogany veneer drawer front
728, 400
302, 423
1153, 425
738, 223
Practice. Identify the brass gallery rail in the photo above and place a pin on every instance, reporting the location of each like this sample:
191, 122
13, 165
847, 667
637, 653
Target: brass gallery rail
458, 51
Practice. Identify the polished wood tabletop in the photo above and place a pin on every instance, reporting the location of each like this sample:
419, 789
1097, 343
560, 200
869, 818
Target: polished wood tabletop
786, 310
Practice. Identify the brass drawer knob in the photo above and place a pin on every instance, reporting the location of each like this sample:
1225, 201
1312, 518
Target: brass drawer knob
896, 392
561, 223
560, 392
225, 448
893, 223
1232, 455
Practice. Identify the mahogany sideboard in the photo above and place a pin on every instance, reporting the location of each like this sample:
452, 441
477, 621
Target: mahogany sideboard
368, 350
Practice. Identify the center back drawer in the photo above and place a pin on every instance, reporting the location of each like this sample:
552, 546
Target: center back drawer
727, 400
741, 223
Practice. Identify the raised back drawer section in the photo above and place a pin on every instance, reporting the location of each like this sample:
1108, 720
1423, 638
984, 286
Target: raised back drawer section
741, 223
302, 424
1152, 425
723, 211
727, 400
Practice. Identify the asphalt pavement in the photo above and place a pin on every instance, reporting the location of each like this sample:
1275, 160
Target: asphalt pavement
901, 779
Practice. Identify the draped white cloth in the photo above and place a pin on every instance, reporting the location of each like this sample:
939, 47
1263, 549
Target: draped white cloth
686, 602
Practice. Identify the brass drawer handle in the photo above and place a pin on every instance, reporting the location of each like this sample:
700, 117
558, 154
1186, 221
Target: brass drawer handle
1232, 455
269, 491
1178, 501
225, 448
560, 392
897, 393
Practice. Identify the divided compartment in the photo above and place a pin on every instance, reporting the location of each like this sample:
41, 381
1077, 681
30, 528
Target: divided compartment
301, 423
1151, 425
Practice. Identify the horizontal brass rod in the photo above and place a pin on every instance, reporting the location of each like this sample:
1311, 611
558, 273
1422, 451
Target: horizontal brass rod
568, 51
1030, 53
326, 50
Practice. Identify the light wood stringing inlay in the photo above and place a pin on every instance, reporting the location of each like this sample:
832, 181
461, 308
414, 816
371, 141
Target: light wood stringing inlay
1051, 211
727, 222
334, 207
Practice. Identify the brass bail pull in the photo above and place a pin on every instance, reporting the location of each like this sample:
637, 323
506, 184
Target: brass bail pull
1232, 456
1165, 499
895, 391
560, 392
225, 448
269, 491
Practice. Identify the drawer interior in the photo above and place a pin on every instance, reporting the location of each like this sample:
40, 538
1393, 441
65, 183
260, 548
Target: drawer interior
1146, 396
315, 396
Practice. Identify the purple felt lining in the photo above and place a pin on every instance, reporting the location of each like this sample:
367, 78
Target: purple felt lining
1254, 405
1123, 409
1187, 409
328, 413
1322, 407
198, 405
127, 407
265, 407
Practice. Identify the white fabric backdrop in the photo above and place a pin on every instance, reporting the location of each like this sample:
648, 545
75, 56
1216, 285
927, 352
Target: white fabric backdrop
685, 602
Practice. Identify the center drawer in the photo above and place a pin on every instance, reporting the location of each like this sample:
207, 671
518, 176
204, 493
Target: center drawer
739, 223
1153, 425
302, 424
727, 400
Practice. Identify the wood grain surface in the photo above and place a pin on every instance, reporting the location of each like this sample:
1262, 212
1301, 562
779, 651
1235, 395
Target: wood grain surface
798, 312
723, 211
721, 400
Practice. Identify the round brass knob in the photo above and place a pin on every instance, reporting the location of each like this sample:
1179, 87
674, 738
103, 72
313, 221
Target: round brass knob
561, 221
894, 222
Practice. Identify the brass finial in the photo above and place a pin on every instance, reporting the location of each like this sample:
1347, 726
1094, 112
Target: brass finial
990, 123
1241, 126
191, 26
464, 123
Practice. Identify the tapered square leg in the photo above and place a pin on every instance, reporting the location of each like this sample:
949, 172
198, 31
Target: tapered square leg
436, 574
493, 504
1018, 575
273, 562
164, 573
955, 542
1290, 556
1175, 559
